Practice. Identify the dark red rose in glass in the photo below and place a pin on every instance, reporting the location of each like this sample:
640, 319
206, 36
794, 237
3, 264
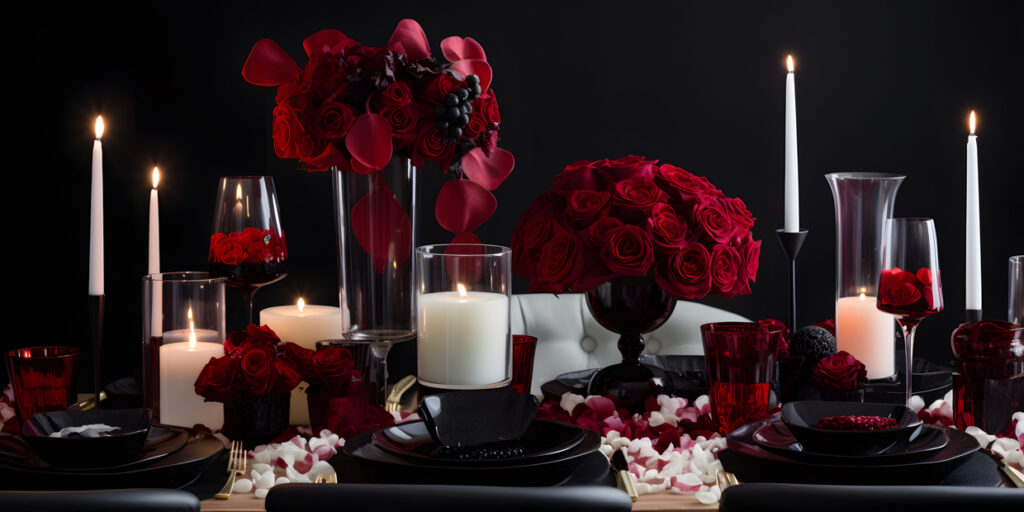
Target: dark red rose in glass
839, 372
628, 251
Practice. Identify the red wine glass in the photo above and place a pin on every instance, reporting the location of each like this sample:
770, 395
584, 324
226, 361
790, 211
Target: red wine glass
247, 246
910, 287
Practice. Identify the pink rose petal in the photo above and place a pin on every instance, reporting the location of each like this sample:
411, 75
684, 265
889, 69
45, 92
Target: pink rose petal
269, 65
456, 48
327, 41
382, 227
476, 67
488, 170
462, 206
304, 465
409, 38
602, 406
369, 141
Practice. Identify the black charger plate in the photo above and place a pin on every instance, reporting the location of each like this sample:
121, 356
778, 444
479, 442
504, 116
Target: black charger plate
775, 436
541, 440
160, 442
753, 463
369, 459
172, 471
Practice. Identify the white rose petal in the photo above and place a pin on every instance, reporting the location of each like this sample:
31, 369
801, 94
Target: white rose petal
262, 493
1005, 444
262, 468
242, 485
265, 481
948, 397
570, 400
705, 497
916, 403
643, 488
983, 439
689, 479
606, 450
1014, 456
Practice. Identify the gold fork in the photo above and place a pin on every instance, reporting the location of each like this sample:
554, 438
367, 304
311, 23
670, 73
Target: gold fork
236, 465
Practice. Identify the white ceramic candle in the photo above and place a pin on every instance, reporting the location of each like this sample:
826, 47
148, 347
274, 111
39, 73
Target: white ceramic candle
303, 324
180, 364
96, 215
462, 338
973, 291
792, 198
867, 334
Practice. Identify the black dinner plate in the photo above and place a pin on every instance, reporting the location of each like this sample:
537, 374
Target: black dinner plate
361, 451
753, 463
160, 442
542, 439
776, 437
172, 471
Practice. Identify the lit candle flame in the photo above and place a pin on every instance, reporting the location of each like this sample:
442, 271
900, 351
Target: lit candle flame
99, 126
789, 63
238, 192
191, 330
190, 314
156, 176
973, 122
462, 290
863, 291
301, 304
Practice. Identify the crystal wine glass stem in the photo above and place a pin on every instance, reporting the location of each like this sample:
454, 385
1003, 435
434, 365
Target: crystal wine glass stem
247, 294
909, 329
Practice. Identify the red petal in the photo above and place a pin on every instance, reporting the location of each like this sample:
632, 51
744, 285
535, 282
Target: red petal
464, 270
382, 228
488, 171
369, 141
268, 65
327, 40
409, 38
476, 67
359, 168
462, 206
456, 48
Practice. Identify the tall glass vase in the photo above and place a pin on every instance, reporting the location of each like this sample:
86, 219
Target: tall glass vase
864, 203
375, 216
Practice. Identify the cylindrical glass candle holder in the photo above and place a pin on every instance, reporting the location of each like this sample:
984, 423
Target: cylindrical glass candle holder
988, 386
1015, 312
182, 329
463, 298
864, 203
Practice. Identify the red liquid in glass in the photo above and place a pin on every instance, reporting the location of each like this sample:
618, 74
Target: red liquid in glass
988, 385
43, 379
737, 403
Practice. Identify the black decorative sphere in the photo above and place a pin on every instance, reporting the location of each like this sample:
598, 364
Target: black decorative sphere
812, 343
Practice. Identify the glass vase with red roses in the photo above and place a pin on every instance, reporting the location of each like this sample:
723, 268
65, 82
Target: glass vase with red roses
634, 235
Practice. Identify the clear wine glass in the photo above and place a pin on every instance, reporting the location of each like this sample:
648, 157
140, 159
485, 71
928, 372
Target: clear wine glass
910, 286
247, 246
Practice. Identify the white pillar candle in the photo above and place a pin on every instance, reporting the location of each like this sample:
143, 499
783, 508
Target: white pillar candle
96, 215
866, 333
303, 324
180, 364
973, 291
462, 338
792, 198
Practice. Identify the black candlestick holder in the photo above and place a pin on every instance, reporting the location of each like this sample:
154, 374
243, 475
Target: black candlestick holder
791, 244
96, 334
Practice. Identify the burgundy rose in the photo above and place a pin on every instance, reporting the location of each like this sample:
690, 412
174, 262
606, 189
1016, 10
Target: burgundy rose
725, 268
597, 233
585, 206
742, 219
396, 94
332, 121
229, 251
256, 364
287, 130
667, 230
839, 372
287, 377
581, 175
898, 288
560, 263
686, 274
750, 250
218, 380
252, 334
689, 186
628, 251
488, 105
711, 217
477, 124
629, 168
431, 146
403, 119
638, 194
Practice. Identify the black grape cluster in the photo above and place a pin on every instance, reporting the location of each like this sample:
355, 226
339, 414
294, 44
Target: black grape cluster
453, 113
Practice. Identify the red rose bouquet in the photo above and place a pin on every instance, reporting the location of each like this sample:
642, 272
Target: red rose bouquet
253, 365
353, 106
247, 246
634, 217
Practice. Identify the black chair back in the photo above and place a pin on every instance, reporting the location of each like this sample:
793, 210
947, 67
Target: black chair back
128, 500
765, 497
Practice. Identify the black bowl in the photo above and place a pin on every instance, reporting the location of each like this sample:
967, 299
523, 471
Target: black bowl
464, 419
801, 418
121, 446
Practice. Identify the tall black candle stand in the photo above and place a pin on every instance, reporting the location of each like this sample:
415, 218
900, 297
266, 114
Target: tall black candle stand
96, 333
791, 244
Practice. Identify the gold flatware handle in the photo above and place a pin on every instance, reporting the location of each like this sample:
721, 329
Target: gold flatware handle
394, 400
225, 492
625, 482
1013, 473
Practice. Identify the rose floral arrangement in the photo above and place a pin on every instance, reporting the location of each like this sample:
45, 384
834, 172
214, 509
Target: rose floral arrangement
253, 364
908, 291
353, 107
250, 246
634, 217
811, 365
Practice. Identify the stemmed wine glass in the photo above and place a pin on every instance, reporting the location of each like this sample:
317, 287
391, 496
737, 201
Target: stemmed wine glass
247, 246
910, 287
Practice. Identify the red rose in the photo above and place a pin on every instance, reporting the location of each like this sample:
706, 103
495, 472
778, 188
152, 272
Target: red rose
686, 184
725, 268
218, 381
924, 275
333, 370
215, 240
839, 372
325, 74
477, 125
585, 206
750, 250
628, 251
668, 232
403, 119
442, 86
332, 121
298, 356
640, 195
396, 94
256, 364
581, 175
430, 146
898, 288
712, 218
252, 334
286, 377
229, 251
560, 263
686, 274
742, 219
534, 229
488, 106
630, 167
286, 132
597, 233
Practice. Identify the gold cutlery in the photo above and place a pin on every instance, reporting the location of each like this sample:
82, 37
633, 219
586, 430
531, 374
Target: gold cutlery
394, 400
623, 479
236, 466
725, 480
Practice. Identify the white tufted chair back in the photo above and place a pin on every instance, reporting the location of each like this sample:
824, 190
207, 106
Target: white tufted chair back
569, 339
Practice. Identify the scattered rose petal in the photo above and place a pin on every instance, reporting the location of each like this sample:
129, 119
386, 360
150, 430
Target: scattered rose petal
480, 68
409, 38
369, 141
488, 170
457, 48
242, 485
462, 206
269, 65
281, 480
327, 40
382, 227
261, 493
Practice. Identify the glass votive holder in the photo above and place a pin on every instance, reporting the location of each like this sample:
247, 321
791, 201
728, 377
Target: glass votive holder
1015, 311
351, 398
740, 359
183, 327
523, 349
988, 385
463, 332
43, 379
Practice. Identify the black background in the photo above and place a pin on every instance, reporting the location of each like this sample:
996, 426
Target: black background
881, 86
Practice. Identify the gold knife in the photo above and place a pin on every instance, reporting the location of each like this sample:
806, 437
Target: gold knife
623, 478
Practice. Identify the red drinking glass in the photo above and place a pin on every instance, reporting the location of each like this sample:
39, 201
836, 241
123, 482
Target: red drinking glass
43, 378
989, 384
523, 349
740, 358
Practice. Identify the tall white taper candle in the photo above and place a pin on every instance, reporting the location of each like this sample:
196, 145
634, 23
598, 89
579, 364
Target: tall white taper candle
96, 215
792, 198
973, 293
